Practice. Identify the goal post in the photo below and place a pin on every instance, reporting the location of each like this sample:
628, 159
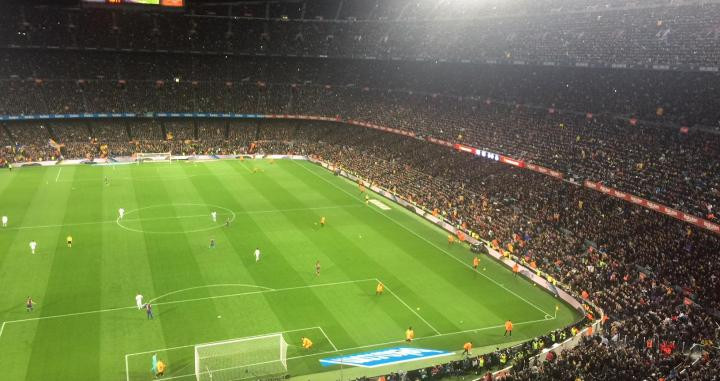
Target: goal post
241, 359
152, 156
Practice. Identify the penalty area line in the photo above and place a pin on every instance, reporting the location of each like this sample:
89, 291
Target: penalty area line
408, 307
327, 337
370, 345
474, 330
307, 286
129, 355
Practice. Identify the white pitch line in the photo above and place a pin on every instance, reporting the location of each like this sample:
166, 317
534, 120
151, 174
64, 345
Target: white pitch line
261, 292
249, 377
2, 328
165, 218
60, 225
209, 286
408, 307
192, 345
128, 355
70, 314
193, 300
323, 284
327, 337
179, 217
127, 369
361, 346
151, 178
58, 175
431, 243
422, 338
299, 209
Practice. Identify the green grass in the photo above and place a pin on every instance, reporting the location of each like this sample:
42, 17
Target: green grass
85, 325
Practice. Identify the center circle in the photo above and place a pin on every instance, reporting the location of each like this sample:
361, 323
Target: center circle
175, 218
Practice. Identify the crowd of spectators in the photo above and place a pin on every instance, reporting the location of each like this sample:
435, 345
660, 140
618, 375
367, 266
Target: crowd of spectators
652, 133
652, 33
28, 143
655, 277
659, 158
119, 81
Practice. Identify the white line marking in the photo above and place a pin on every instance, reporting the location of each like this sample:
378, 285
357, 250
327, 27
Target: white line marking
127, 369
161, 218
300, 209
328, 338
323, 284
58, 175
192, 345
428, 241
164, 218
2, 328
209, 286
408, 307
359, 347
206, 228
70, 314
152, 178
380, 205
127, 356
195, 299
60, 225
207, 371
419, 338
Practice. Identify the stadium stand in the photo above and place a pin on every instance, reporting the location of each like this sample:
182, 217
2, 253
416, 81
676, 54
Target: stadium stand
622, 94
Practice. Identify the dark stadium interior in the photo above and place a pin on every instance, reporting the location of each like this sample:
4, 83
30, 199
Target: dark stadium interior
623, 93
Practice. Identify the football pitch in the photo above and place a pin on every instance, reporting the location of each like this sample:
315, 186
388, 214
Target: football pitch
85, 325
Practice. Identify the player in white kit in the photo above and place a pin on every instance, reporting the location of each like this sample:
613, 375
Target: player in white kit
121, 212
214, 216
138, 300
4, 221
257, 254
33, 246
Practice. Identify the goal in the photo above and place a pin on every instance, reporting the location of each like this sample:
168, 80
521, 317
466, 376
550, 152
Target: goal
152, 156
241, 359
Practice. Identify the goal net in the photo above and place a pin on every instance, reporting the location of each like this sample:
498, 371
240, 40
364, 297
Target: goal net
248, 358
152, 156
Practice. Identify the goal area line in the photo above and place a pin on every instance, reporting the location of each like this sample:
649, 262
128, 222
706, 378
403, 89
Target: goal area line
261, 291
334, 351
269, 290
7, 323
128, 356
